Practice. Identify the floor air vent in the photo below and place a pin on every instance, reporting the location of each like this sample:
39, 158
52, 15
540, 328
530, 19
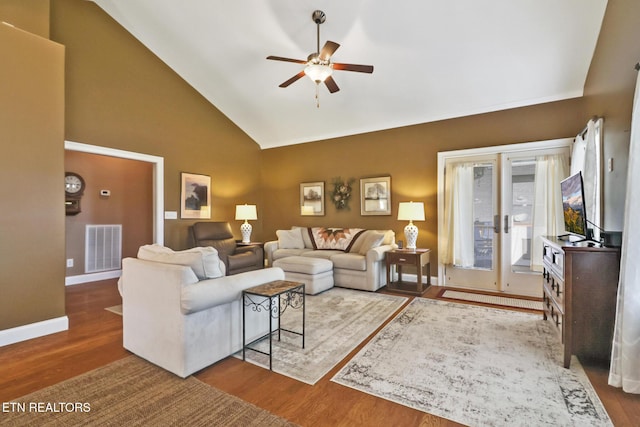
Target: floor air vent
103, 245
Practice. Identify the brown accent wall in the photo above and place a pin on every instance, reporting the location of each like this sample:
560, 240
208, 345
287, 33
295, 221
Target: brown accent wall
31, 171
120, 95
609, 93
29, 15
130, 203
408, 155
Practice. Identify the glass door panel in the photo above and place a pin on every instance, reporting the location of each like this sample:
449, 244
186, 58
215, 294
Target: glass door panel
483, 216
474, 243
522, 187
519, 196
517, 215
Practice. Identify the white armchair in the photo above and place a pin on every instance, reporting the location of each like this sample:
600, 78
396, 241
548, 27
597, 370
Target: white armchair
181, 323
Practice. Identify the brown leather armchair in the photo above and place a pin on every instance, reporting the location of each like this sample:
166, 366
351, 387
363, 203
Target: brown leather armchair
237, 259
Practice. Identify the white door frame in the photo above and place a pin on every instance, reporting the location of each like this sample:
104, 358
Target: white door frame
158, 178
443, 156
158, 196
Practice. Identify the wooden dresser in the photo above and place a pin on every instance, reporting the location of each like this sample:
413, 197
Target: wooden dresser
580, 283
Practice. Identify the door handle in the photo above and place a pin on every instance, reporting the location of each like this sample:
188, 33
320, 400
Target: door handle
506, 224
496, 224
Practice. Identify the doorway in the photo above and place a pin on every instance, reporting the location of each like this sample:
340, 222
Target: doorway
486, 207
158, 198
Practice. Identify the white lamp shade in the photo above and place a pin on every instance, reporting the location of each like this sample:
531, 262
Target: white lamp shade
411, 211
245, 212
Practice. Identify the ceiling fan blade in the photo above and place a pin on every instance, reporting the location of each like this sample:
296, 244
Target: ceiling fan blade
328, 49
353, 67
293, 79
331, 84
279, 58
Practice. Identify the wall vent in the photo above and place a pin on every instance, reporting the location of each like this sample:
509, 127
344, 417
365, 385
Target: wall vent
103, 248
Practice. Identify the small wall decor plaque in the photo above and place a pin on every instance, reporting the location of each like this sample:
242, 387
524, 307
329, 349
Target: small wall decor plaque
342, 192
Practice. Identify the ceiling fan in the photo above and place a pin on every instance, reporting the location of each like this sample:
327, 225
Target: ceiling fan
318, 66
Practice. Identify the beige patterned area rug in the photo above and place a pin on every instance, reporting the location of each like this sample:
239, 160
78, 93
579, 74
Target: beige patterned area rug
133, 392
477, 366
336, 322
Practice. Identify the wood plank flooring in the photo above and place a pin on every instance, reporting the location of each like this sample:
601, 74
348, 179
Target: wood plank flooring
94, 339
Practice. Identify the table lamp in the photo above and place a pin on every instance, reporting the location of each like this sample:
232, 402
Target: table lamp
246, 212
411, 211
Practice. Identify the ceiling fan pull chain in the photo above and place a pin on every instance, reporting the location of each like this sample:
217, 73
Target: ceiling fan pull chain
317, 95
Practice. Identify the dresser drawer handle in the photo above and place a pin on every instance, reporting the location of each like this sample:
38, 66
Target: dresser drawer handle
402, 259
555, 317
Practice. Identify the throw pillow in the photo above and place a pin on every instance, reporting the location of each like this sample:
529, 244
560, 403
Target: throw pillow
373, 239
305, 236
334, 238
204, 261
290, 239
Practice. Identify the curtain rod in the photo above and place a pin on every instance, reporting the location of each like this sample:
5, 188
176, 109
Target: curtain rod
595, 119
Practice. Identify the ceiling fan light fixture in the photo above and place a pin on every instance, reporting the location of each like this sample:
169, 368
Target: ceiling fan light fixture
318, 72
318, 65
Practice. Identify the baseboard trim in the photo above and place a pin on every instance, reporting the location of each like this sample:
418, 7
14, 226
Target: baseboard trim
414, 278
93, 277
33, 330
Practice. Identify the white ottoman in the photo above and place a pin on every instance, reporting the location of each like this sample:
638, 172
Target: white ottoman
315, 273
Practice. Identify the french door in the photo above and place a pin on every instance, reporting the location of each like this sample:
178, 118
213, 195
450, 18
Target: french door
486, 203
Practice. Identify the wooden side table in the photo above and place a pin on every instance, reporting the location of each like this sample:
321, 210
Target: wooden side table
241, 243
415, 257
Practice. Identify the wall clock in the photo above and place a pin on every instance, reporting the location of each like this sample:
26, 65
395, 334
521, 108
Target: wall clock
74, 186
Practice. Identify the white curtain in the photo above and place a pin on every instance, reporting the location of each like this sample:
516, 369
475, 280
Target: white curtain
578, 151
547, 208
586, 157
625, 357
458, 244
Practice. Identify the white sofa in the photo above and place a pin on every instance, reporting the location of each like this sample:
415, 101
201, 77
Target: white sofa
182, 322
358, 264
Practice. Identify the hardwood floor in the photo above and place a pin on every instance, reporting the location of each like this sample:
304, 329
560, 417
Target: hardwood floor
94, 339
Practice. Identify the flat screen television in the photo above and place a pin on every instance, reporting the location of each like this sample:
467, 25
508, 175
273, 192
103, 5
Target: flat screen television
575, 218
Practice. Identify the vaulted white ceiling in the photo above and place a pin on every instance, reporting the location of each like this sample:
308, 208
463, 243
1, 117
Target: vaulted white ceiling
433, 59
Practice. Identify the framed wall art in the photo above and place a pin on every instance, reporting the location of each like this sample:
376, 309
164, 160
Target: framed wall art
195, 196
312, 198
375, 196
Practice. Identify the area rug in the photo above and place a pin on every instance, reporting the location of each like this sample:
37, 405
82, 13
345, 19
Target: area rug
117, 309
475, 365
491, 299
133, 392
336, 322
